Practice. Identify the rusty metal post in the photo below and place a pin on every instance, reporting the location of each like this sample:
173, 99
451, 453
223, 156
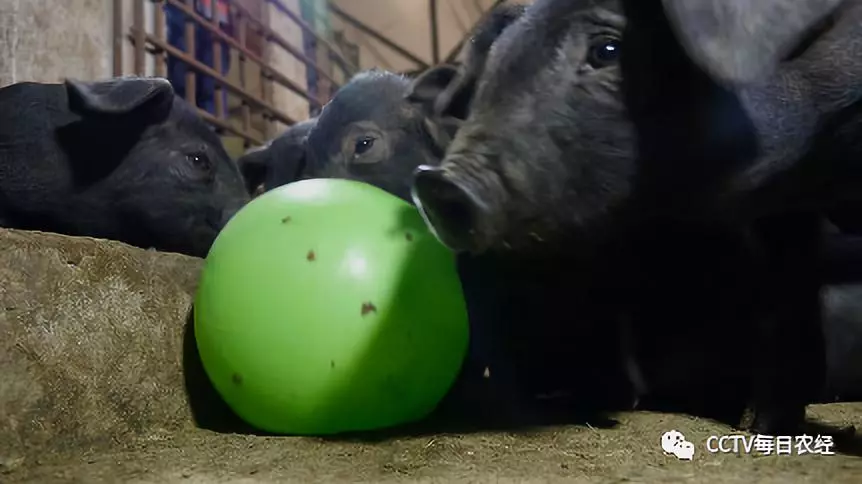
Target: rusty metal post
435, 42
265, 79
273, 73
119, 38
140, 36
205, 70
245, 110
217, 64
159, 32
191, 78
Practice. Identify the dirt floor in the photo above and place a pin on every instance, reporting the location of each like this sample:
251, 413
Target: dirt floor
98, 383
629, 453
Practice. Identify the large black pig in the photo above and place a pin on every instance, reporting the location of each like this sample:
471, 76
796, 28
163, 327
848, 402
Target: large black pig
122, 159
647, 182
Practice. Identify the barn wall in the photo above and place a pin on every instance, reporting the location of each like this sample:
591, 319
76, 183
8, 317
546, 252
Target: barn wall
49, 40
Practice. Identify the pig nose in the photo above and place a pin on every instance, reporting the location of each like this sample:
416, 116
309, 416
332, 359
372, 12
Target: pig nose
448, 209
227, 214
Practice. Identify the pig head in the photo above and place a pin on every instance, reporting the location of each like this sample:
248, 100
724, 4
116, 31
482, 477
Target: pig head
556, 109
122, 159
506, 182
372, 131
278, 162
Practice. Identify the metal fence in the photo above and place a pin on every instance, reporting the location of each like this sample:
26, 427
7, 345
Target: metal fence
248, 37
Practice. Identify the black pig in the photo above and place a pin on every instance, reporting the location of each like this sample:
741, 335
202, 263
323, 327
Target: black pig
563, 159
370, 131
120, 159
279, 162
513, 306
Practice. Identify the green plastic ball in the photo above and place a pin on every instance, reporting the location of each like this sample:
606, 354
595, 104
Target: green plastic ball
327, 306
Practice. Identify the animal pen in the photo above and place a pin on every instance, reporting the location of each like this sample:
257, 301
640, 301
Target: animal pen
102, 375
241, 54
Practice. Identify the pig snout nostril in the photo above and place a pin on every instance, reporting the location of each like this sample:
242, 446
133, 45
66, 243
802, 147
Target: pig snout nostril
446, 207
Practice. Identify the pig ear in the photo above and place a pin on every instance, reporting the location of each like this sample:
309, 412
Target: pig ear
426, 88
118, 96
441, 131
454, 102
738, 41
254, 166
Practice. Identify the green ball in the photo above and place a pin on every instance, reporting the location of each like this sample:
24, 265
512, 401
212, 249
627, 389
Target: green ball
327, 306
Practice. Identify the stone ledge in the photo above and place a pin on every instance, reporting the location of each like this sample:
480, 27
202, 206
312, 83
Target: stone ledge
92, 340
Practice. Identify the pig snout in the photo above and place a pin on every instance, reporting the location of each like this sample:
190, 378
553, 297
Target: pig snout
460, 210
217, 219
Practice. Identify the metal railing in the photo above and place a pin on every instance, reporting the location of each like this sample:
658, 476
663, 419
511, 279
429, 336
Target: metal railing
260, 105
155, 43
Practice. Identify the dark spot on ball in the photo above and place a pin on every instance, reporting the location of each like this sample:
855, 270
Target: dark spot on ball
332, 364
310, 255
237, 379
409, 237
285, 219
368, 307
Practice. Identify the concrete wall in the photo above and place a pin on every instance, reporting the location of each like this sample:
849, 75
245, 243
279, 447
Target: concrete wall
407, 23
49, 40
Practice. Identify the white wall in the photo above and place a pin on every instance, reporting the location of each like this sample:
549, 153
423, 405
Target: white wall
49, 40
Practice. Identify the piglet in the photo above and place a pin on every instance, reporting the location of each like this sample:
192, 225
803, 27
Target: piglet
122, 159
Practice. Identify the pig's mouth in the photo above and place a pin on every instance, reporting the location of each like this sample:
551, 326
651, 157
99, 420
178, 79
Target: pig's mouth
451, 211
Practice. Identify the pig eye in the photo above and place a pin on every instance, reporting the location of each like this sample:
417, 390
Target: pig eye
604, 51
363, 144
199, 160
